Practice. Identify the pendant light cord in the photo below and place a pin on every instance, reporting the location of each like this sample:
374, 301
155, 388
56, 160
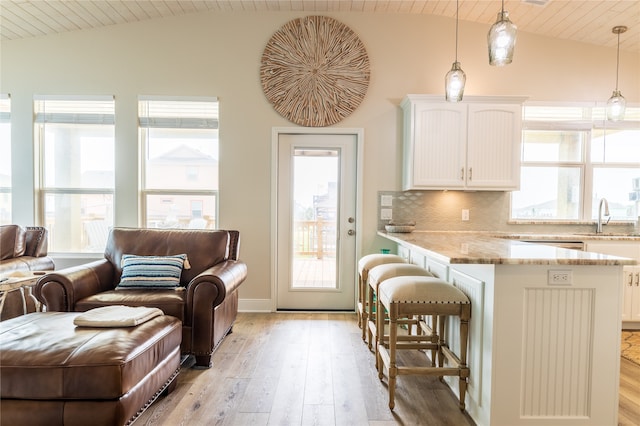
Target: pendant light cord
457, 33
618, 61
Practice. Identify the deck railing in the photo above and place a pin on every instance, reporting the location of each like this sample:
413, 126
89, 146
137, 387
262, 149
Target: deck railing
314, 238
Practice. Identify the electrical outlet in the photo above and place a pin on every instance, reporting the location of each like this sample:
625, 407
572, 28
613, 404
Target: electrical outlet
465, 214
386, 200
385, 214
560, 277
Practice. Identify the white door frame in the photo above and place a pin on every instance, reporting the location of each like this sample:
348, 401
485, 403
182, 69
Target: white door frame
275, 136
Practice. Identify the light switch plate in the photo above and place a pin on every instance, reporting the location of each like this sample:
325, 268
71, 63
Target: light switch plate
386, 214
386, 200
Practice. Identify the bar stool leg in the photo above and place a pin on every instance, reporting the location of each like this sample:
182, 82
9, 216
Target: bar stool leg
464, 370
363, 316
379, 336
374, 316
393, 370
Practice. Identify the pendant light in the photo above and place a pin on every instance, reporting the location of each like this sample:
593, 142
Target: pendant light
502, 39
455, 78
616, 103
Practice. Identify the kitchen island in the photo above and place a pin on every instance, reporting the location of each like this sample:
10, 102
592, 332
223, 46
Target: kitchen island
545, 329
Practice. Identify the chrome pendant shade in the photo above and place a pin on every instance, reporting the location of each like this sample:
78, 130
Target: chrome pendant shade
502, 39
616, 104
455, 79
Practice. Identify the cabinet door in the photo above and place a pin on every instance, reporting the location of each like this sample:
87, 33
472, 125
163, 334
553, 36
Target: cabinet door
435, 146
615, 248
493, 147
628, 293
635, 294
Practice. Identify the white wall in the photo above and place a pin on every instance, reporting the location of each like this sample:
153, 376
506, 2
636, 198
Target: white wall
218, 54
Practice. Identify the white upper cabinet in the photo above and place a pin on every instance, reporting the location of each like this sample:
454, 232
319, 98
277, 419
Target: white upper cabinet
473, 144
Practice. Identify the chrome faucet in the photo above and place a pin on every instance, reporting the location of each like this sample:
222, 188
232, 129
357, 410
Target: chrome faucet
603, 201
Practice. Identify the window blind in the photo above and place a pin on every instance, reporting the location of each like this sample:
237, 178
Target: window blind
74, 109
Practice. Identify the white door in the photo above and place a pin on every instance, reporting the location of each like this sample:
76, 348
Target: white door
316, 221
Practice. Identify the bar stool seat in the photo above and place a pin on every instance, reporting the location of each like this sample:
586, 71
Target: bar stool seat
410, 295
365, 264
377, 275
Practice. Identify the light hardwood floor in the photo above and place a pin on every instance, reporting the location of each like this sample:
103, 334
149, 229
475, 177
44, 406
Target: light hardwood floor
314, 369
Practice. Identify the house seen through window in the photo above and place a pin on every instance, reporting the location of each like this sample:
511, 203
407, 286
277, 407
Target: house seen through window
179, 144
572, 157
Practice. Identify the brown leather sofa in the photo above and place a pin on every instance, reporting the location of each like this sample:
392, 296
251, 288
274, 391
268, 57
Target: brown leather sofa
24, 249
206, 301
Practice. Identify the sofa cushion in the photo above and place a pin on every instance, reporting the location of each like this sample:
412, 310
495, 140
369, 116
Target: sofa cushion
152, 271
13, 241
171, 302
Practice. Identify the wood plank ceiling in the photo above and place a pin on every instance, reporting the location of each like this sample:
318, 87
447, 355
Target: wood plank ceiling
587, 21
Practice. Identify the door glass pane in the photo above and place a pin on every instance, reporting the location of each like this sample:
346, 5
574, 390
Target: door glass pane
315, 201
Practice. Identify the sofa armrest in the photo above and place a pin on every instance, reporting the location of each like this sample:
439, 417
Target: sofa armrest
213, 284
59, 291
205, 293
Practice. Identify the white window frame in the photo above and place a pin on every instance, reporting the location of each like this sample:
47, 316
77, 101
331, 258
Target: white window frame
6, 191
594, 120
175, 123
42, 190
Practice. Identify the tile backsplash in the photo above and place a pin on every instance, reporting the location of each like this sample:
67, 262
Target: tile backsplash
488, 211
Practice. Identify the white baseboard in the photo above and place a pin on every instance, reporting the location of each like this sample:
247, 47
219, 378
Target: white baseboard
255, 305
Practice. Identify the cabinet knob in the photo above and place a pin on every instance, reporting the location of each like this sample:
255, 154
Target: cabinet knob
470, 173
630, 280
462, 173
637, 279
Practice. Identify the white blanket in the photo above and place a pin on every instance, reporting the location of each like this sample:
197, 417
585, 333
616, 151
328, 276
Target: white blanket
116, 316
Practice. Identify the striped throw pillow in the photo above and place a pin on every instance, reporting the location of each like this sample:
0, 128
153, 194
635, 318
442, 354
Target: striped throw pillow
152, 271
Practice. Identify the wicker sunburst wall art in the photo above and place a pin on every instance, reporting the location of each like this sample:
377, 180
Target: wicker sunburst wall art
315, 71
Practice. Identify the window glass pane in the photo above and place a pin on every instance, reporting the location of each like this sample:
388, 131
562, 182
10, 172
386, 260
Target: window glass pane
551, 193
78, 156
630, 114
553, 145
615, 146
5, 160
78, 223
621, 188
182, 159
558, 113
181, 211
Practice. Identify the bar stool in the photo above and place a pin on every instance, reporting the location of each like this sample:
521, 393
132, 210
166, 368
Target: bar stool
364, 266
403, 296
377, 275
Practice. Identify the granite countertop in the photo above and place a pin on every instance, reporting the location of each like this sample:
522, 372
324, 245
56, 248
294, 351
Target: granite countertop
496, 248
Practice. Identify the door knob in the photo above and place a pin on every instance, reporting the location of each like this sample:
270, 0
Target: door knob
351, 220
351, 232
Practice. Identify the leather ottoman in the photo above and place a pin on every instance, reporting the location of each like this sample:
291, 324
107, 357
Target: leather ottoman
54, 373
